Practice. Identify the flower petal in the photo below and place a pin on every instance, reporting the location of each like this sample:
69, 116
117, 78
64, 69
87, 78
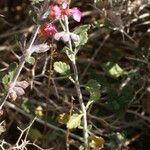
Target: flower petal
19, 91
55, 12
75, 37
47, 29
76, 14
65, 37
22, 84
58, 35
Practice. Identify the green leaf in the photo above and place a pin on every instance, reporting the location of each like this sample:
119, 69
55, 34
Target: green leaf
26, 105
81, 147
5, 79
82, 32
82, 28
33, 15
13, 66
51, 137
69, 53
30, 60
74, 121
1, 76
11, 70
35, 134
62, 68
66, 50
119, 101
113, 69
93, 87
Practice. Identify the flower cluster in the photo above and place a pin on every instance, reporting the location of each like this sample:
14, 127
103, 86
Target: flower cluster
47, 29
57, 12
59, 9
18, 90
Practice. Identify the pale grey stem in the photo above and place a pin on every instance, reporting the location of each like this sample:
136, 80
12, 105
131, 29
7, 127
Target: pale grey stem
77, 85
20, 67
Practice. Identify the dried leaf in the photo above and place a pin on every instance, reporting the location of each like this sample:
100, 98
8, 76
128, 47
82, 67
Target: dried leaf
63, 118
96, 141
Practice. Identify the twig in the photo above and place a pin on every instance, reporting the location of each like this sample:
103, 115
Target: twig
77, 85
20, 67
12, 106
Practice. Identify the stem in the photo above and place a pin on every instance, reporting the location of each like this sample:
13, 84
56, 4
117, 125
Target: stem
77, 85
20, 67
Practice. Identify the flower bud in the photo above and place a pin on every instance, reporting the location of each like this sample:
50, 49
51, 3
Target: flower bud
75, 37
47, 29
12, 95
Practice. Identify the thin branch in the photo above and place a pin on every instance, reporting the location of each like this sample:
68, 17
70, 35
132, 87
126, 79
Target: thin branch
12, 106
77, 85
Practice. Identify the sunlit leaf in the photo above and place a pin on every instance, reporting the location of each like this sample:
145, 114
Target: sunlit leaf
83, 36
5, 79
62, 68
81, 147
113, 69
30, 60
39, 111
74, 121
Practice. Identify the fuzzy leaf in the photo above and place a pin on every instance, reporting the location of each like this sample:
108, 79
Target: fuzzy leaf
5, 79
74, 121
30, 60
62, 68
83, 36
11, 70
113, 69
93, 87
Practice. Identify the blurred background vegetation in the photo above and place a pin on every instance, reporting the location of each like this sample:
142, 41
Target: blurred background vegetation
117, 56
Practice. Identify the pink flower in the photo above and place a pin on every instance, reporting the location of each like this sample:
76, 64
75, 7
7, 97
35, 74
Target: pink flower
55, 12
47, 29
76, 14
